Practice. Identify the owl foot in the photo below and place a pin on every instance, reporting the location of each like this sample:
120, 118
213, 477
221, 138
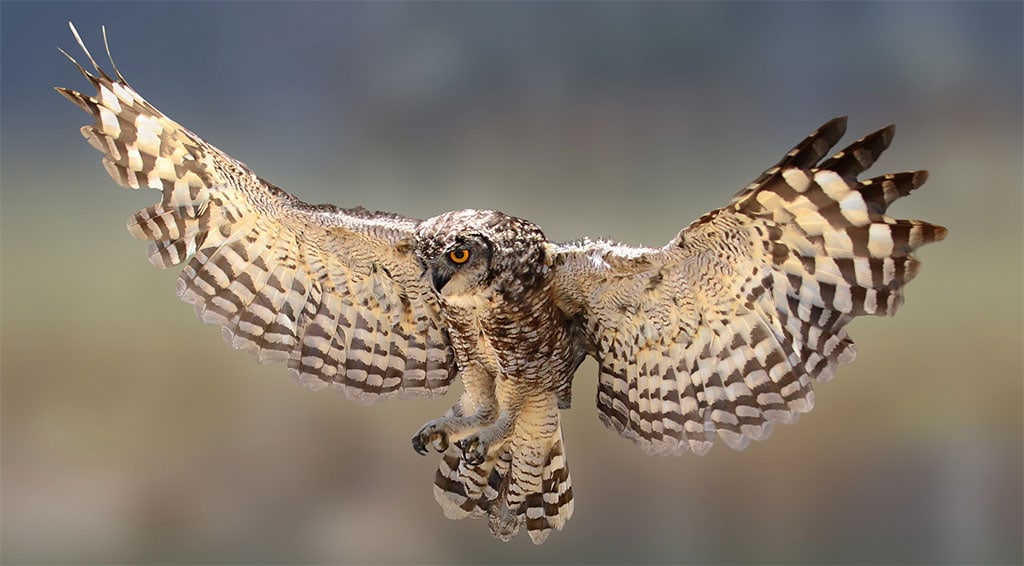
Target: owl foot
433, 434
474, 452
477, 445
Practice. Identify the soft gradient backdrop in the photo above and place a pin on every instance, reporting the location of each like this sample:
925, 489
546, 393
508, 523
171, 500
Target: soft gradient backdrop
132, 434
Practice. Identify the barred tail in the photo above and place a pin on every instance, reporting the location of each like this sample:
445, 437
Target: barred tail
524, 482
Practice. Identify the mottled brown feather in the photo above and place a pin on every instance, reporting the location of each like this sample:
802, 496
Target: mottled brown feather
720, 333
335, 293
723, 331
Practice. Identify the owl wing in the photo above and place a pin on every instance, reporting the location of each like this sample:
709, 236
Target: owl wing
725, 329
337, 294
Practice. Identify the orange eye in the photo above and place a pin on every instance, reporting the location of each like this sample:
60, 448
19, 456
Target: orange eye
459, 256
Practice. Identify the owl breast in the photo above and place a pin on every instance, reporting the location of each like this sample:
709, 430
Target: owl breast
464, 316
527, 340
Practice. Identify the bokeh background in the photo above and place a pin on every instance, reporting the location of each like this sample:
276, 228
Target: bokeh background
132, 434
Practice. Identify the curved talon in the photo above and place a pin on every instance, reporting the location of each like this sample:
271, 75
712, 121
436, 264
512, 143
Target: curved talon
472, 452
430, 436
419, 446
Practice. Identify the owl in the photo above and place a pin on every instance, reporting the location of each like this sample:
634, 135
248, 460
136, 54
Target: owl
717, 335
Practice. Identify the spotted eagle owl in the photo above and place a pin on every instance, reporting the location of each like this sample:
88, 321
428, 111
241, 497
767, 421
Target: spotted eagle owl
720, 333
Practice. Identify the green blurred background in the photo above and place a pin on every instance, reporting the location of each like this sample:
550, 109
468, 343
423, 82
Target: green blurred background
132, 434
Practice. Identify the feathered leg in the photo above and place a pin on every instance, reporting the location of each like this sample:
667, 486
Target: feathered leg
524, 480
477, 408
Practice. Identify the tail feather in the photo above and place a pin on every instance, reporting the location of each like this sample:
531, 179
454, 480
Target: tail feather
552, 506
524, 482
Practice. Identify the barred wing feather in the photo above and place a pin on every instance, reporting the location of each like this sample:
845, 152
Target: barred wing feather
335, 293
723, 331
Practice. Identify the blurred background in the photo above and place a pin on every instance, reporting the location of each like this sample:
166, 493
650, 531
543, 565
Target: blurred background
132, 434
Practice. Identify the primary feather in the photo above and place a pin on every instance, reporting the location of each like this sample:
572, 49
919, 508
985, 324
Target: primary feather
720, 333
723, 331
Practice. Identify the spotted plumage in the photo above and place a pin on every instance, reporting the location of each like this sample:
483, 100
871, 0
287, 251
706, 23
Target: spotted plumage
720, 333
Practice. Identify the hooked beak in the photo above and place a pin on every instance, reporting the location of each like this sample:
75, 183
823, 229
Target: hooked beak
439, 278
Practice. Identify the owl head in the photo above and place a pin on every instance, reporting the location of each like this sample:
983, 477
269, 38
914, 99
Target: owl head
468, 251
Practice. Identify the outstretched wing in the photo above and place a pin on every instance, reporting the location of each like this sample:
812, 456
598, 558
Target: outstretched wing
336, 293
724, 330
